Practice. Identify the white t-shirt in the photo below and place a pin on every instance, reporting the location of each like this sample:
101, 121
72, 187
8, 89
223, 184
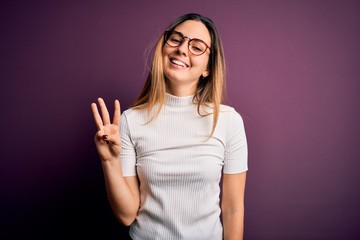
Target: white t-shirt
180, 169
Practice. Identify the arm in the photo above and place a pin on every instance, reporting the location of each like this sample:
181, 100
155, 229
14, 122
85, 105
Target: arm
123, 192
233, 205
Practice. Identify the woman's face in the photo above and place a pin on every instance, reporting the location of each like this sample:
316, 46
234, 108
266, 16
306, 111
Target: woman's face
181, 68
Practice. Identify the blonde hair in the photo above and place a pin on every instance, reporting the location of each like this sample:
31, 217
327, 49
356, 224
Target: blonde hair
210, 89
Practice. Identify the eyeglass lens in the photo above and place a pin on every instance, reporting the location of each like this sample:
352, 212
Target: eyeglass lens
196, 46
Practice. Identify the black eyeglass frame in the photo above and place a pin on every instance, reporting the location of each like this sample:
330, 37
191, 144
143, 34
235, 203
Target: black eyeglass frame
167, 34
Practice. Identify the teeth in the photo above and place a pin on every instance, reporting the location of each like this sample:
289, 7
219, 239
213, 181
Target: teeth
178, 63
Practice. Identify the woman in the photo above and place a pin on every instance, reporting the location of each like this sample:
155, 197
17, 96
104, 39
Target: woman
180, 149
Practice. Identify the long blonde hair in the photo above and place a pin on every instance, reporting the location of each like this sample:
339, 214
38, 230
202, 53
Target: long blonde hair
210, 89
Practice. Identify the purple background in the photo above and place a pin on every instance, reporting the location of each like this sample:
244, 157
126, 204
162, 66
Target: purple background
293, 74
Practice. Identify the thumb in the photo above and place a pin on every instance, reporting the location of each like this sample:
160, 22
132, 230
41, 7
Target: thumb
99, 135
113, 138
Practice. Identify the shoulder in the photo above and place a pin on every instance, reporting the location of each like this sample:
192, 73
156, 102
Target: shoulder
226, 113
128, 115
133, 112
230, 117
127, 112
134, 117
227, 110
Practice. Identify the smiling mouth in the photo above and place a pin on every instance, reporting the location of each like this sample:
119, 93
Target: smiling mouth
178, 63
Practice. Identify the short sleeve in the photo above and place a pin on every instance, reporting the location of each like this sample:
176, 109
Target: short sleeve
236, 151
128, 153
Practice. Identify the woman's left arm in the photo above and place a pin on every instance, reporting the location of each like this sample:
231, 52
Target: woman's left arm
233, 191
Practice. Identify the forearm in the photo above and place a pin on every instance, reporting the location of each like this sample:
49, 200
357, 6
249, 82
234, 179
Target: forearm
123, 200
233, 223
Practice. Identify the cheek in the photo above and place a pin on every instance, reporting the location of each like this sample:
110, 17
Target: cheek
163, 52
166, 50
203, 63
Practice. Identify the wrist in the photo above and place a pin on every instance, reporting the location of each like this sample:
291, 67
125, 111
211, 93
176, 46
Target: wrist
113, 162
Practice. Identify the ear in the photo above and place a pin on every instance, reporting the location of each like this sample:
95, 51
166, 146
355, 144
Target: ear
205, 73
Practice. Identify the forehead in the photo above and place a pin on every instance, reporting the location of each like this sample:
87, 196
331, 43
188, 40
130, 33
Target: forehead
194, 29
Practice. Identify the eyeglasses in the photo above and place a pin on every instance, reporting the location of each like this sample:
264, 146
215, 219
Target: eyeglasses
196, 46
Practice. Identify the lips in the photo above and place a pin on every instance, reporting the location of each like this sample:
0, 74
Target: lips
179, 63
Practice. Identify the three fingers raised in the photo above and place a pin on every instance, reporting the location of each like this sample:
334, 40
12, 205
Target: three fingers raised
104, 119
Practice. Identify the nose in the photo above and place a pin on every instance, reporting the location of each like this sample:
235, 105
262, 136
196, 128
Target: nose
183, 48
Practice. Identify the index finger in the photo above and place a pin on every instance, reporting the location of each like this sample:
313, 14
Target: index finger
117, 113
104, 112
97, 118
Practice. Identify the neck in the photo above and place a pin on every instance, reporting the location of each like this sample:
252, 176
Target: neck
181, 90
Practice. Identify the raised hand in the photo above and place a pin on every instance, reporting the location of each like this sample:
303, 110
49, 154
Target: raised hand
107, 138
